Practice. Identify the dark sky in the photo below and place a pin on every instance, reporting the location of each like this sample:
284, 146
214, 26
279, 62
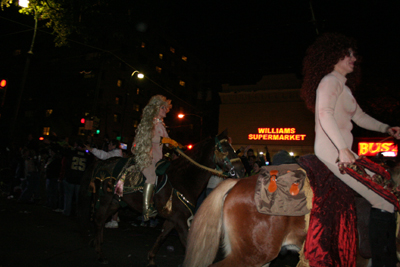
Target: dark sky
271, 36
250, 38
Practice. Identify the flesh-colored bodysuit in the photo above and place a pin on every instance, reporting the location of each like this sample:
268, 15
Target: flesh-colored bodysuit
156, 150
335, 107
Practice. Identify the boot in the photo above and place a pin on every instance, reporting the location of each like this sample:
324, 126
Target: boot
382, 235
148, 209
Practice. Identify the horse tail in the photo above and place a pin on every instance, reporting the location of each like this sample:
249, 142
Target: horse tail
205, 231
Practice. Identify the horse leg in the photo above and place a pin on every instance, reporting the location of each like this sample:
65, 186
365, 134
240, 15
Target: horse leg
108, 206
166, 229
182, 228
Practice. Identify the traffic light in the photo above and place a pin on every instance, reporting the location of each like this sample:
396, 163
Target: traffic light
97, 131
3, 91
83, 120
189, 147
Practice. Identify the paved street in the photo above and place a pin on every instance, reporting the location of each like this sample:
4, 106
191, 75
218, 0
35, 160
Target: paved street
35, 236
32, 235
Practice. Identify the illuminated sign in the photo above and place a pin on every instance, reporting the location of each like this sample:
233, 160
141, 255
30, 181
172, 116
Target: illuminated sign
277, 134
372, 148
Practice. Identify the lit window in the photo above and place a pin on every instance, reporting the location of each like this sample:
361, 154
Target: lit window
117, 117
181, 83
46, 130
137, 91
117, 100
160, 56
119, 83
184, 58
158, 69
172, 49
135, 123
143, 45
136, 107
49, 112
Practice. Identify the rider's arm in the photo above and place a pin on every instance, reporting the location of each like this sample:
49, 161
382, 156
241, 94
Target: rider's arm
328, 92
101, 154
367, 122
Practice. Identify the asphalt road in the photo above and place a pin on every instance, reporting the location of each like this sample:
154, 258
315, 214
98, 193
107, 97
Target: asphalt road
34, 236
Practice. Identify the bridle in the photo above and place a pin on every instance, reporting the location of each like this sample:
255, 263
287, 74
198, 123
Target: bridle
227, 162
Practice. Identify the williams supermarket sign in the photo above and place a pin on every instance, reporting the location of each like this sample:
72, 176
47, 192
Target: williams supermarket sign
277, 134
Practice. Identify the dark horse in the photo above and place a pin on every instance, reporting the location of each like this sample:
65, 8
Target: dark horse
249, 238
185, 183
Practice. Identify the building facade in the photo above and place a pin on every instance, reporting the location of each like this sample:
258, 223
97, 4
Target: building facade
268, 115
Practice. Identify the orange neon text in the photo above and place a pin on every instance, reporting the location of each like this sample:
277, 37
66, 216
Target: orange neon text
371, 148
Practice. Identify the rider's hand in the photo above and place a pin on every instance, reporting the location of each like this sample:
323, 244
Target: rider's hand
346, 157
394, 131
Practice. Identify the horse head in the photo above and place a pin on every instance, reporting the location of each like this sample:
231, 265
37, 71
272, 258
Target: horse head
226, 158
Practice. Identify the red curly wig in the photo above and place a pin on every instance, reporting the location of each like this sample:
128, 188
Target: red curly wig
320, 60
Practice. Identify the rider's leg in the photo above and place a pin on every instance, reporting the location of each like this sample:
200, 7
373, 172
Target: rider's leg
148, 208
382, 226
148, 189
382, 229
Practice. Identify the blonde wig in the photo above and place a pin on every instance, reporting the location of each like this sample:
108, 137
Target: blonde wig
142, 144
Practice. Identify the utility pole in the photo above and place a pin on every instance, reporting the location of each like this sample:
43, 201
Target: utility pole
314, 21
24, 76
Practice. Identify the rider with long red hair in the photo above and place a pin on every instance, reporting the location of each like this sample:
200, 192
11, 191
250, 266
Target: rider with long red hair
331, 74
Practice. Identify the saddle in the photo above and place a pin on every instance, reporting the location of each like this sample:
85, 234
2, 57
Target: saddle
279, 191
134, 180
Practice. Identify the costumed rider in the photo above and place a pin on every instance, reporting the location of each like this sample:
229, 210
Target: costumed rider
148, 149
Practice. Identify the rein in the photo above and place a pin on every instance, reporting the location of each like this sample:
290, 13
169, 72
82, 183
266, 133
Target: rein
217, 171
213, 171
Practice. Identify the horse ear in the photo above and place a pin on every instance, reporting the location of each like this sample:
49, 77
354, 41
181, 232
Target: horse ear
223, 134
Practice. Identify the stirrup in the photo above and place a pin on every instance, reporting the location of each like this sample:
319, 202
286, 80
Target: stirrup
151, 212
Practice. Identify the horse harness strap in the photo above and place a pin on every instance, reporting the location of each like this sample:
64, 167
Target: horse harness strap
227, 161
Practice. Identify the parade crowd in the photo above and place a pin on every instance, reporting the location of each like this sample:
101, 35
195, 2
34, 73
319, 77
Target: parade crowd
49, 172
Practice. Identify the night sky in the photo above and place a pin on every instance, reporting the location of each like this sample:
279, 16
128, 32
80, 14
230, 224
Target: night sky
252, 37
242, 40
271, 35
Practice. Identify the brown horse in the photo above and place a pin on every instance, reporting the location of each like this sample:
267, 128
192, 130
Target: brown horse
185, 183
249, 238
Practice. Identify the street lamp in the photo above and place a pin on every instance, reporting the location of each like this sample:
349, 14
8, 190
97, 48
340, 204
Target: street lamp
182, 115
139, 74
23, 3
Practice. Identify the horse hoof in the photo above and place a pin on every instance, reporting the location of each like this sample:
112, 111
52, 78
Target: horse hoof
103, 261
